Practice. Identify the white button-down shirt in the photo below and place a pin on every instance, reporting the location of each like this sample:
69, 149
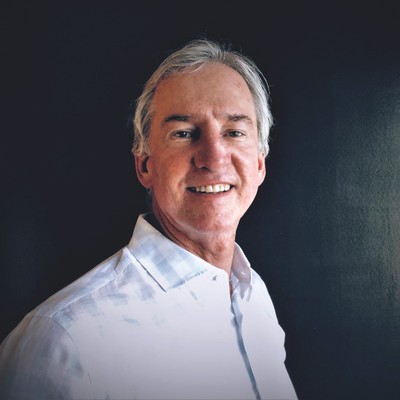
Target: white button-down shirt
153, 321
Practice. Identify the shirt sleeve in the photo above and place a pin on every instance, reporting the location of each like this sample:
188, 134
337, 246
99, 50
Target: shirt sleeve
39, 360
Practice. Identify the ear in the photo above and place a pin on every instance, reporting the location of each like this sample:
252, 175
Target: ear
262, 169
142, 171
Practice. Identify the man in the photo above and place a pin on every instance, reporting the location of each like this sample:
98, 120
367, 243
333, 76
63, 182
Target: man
178, 313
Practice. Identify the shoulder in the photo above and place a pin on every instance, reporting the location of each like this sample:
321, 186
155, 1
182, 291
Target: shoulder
85, 286
261, 294
257, 281
52, 339
118, 280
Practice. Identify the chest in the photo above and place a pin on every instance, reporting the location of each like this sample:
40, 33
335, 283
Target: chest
181, 346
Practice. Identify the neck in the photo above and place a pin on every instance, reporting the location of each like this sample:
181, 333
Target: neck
216, 248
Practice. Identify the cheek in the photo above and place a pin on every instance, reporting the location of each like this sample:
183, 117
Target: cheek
166, 176
171, 164
251, 168
253, 177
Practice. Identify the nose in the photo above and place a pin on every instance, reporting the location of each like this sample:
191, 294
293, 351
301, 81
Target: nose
211, 152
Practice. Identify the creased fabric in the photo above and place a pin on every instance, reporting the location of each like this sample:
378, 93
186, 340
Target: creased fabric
153, 321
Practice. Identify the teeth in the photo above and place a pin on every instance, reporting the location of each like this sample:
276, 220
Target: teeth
221, 187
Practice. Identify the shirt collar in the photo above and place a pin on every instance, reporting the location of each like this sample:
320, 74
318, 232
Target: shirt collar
171, 265
241, 276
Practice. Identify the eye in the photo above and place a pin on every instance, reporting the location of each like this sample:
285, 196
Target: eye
182, 134
192, 135
235, 134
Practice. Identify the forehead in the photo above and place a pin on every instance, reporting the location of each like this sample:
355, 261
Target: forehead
213, 86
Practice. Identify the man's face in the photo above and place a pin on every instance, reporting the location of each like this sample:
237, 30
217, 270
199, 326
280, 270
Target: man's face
204, 168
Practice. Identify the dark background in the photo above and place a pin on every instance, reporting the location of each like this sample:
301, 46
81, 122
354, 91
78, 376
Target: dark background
324, 231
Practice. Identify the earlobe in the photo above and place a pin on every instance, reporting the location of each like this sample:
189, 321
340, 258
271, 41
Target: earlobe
142, 171
262, 169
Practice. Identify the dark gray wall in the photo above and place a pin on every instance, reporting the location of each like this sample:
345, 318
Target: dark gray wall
324, 231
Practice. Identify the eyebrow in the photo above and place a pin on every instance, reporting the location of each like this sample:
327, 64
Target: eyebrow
176, 117
229, 117
239, 117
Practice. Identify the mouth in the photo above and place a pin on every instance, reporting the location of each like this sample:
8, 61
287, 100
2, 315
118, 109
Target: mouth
211, 189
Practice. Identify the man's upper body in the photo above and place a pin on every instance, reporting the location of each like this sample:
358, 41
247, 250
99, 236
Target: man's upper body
154, 321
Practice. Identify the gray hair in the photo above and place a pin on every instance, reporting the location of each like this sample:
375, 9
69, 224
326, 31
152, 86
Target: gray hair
188, 59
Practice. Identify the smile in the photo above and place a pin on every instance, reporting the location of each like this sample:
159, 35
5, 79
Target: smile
218, 188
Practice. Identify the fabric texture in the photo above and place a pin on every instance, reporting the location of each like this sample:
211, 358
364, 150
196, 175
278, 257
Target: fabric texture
153, 321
